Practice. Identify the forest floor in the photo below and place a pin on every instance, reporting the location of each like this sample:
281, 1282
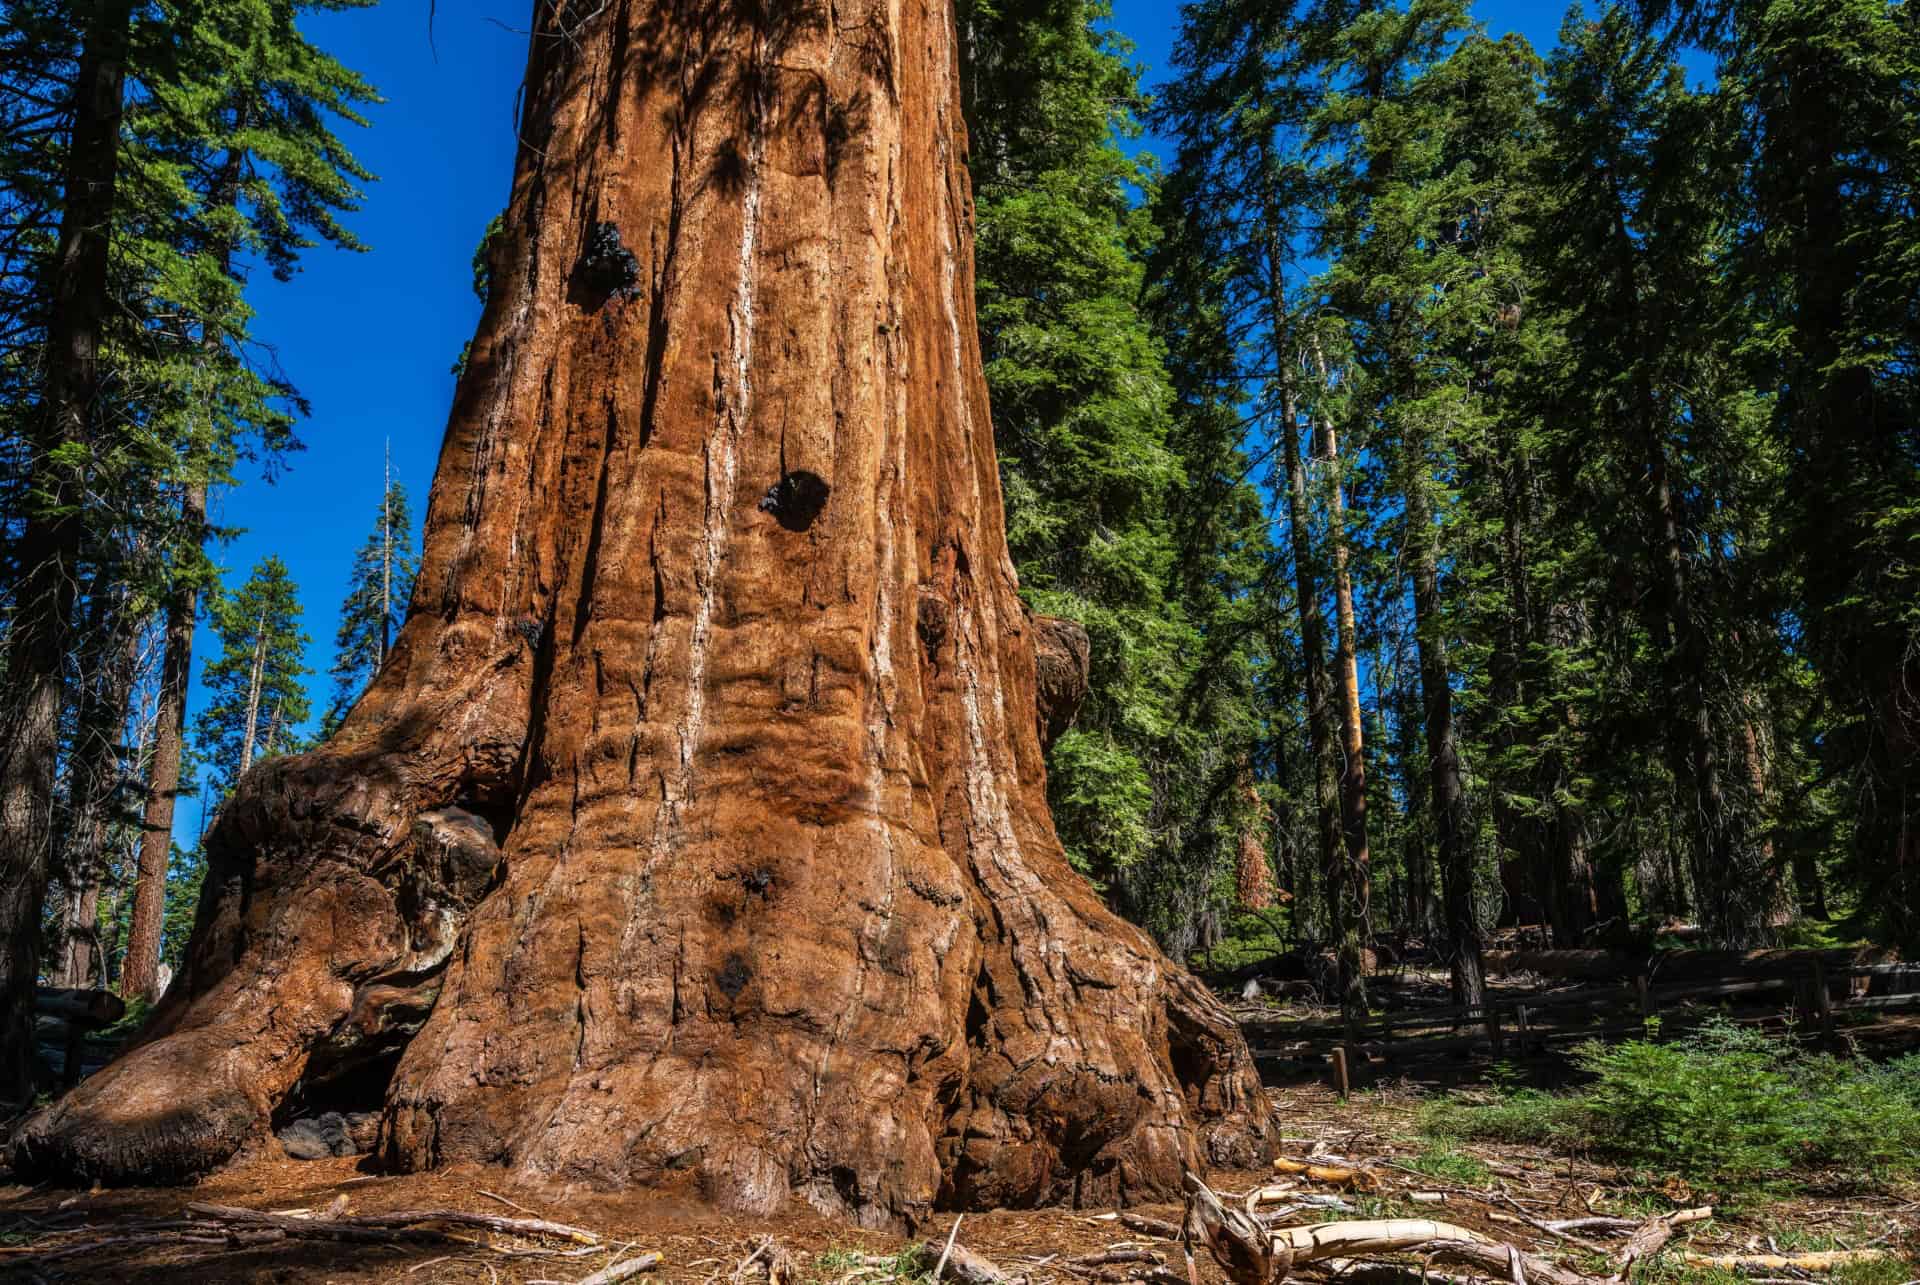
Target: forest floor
1495, 1190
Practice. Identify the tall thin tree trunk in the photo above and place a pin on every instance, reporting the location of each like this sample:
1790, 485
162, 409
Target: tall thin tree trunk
39, 633
140, 975
1313, 648
1447, 791
253, 696
386, 559
1354, 916
110, 655
710, 764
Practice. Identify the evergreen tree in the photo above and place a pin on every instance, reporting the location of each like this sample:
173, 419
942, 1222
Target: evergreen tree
257, 697
1083, 417
377, 594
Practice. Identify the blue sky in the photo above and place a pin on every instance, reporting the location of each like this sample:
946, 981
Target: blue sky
369, 338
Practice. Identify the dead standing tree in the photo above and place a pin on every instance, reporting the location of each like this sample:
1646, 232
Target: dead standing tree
696, 824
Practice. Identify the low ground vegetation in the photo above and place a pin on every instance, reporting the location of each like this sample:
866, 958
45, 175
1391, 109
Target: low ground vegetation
1724, 1105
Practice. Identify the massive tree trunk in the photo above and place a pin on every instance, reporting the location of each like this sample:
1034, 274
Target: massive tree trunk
40, 631
695, 829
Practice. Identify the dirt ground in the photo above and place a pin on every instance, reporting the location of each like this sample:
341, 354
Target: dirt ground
697, 1244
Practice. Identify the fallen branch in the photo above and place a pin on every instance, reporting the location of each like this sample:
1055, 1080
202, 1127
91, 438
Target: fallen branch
1245, 1250
1340, 1175
958, 1263
1149, 1226
1370, 1236
1820, 1261
1109, 1257
622, 1271
1255, 1255
1652, 1236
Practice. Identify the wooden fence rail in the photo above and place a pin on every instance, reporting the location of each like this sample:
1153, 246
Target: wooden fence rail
1490, 1025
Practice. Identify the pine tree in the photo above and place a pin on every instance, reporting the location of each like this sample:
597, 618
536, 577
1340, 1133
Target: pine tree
1083, 417
380, 585
251, 138
257, 697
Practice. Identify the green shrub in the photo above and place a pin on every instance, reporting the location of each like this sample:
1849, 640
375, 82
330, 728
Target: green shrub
1718, 1105
1725, 1105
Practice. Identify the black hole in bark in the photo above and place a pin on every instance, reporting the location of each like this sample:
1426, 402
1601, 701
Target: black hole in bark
335, 1108
757, 882
976, 1020
930, 621
796, 499
531, 631
606, 266
495, 814
734, 976
1192, 1068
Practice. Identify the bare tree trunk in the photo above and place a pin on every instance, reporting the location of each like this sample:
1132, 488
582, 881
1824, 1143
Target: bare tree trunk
110, 657
708, 770
1354, 915
39, 633
253, 696
1319, 688
386, 559
1448, 792
139, 976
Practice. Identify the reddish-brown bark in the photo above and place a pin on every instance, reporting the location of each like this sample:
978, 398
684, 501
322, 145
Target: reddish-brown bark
700, 806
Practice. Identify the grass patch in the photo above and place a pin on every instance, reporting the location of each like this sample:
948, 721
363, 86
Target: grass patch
902, 1267
1453, 1166
1725, 1105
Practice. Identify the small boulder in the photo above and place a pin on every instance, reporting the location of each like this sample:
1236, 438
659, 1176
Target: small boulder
321, 1136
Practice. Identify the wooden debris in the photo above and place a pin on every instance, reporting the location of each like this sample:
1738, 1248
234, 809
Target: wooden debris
1339, 1175
1651, 1236
1149, 1226
332, 1227
1370, 1236
1245, 1250
622, 1270
958, 1263
1110, 1257
1255, 1255
214, 1227
1819, 1261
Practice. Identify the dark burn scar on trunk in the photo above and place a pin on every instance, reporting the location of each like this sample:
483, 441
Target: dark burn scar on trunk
606, 268
733, 976
796, 499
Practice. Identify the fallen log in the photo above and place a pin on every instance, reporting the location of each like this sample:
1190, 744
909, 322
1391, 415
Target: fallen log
82, 1007
1681, 965
323, 1226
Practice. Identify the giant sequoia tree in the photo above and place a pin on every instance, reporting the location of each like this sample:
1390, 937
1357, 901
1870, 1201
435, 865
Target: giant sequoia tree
696, 824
